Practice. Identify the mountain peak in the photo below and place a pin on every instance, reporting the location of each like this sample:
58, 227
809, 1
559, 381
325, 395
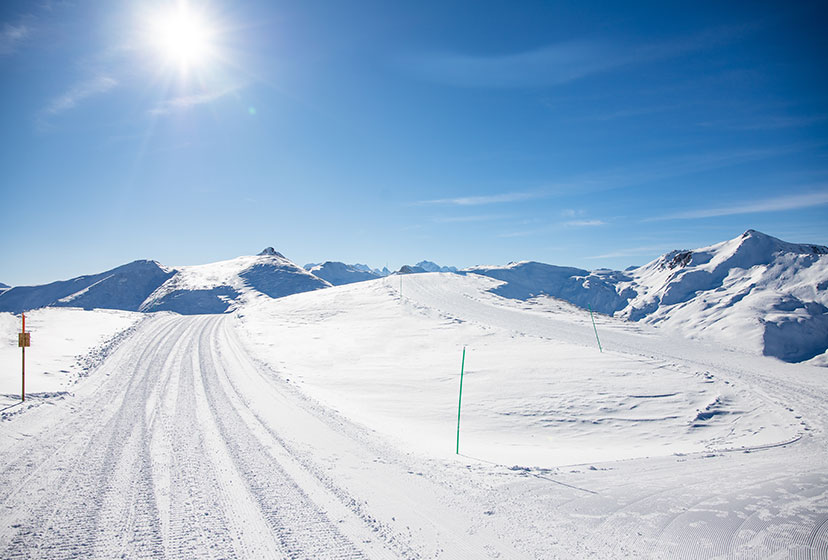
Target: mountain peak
270, 252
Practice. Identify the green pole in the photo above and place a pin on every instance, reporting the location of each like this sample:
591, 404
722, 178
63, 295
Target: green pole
460, 400
594, 328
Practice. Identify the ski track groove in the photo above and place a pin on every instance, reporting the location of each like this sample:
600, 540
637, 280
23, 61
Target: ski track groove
93, 485
71, 528
302, 529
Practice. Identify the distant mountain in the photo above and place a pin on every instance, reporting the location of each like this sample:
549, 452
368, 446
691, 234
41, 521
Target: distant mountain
524, 280
753, 291
125, 287
149, 286
219, 287
382, 272
429, 266
408, 269
338, 273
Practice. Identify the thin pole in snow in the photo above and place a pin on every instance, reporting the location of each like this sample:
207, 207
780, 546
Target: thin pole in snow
23, 365
460, 400
594, 328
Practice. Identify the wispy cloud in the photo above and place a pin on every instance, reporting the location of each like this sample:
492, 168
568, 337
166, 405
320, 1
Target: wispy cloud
468, 219
552, 64
11, 36
484, 199
185, 102
74, 95
775, 204
585, 223
769, 122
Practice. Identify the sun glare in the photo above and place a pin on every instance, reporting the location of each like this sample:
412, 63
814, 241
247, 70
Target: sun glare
182, 37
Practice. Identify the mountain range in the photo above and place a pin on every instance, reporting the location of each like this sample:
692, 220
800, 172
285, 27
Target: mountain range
754, 290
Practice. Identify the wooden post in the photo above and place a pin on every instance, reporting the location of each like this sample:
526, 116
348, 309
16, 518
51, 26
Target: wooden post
23, 348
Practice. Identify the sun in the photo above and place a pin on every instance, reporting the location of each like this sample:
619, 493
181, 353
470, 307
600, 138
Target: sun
182, 36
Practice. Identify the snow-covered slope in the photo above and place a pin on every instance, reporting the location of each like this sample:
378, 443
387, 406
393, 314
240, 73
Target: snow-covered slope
125, 287
523, 280
149, 286
66, 344
339, 273
754, 291
217, 287
538, 390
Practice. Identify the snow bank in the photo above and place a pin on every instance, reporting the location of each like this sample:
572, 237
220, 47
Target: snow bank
66, 343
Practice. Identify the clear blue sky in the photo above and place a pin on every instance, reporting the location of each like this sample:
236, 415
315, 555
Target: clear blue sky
576, 133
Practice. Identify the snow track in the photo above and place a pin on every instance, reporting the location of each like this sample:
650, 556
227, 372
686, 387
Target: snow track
187, 442
159, 462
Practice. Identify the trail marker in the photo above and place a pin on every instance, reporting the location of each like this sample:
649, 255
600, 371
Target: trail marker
460, 400
594, 327
24, 339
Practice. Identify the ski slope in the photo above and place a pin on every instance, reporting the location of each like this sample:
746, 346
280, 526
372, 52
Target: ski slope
322, 425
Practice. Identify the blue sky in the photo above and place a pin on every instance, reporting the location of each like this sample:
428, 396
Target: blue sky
580, 133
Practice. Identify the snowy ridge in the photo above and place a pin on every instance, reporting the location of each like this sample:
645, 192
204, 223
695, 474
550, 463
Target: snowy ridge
755, 292
149, 286
430, 266
338, 273
124, 287
219, 287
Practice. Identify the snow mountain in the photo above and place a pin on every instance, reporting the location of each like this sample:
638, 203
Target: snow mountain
125, 287
339, 273
754, 291
148, 286
429, 266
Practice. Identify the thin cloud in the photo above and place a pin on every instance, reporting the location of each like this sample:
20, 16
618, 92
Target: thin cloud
769, 123
585, 223
776, 204
485, 199
467, 219
185, 102
79, 92
11, 36
554, 64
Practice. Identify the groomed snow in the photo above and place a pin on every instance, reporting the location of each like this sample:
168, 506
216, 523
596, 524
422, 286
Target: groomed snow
322, 425
537, 390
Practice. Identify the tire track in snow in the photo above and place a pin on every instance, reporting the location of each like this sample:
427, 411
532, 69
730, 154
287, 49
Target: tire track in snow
89, 473
302, 529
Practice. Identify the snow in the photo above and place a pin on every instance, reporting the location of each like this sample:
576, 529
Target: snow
430, 266
754, 292
124, 287
533, 395
322, 425
338, 273
66, 343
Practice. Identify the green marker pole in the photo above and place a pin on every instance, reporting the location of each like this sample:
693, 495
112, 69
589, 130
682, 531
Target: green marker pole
594, 328
460, 400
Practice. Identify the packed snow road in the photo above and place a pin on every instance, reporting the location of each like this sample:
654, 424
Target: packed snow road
164, 459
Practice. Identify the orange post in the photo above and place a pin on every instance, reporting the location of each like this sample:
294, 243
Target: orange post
23, 348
